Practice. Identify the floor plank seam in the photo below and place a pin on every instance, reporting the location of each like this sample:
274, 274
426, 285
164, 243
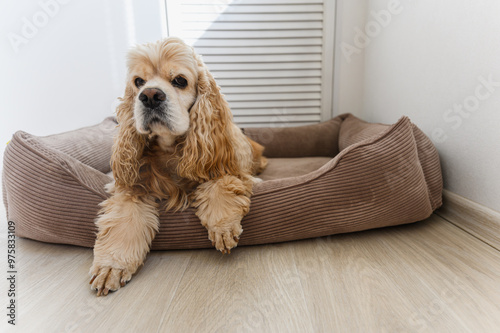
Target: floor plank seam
466, 231
302, 289
174, 293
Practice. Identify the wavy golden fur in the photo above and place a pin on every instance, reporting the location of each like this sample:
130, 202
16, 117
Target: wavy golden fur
176, 146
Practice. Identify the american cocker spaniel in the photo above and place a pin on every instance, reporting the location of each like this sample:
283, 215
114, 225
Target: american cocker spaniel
177, 146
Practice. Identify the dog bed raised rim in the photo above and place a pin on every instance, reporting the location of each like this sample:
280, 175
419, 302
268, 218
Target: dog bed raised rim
338, 176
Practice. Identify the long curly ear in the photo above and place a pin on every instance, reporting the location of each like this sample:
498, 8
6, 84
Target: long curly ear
208, 150
128, 145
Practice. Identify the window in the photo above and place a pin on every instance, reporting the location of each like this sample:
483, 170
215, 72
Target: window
272, 58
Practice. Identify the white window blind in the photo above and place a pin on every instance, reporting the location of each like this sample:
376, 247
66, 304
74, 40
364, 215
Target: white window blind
272, 58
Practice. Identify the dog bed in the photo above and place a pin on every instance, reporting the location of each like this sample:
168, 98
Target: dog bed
339, 176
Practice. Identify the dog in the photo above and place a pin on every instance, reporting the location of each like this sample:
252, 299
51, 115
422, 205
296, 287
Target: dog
176, 147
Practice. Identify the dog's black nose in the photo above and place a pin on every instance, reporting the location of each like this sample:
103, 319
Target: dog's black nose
152, 97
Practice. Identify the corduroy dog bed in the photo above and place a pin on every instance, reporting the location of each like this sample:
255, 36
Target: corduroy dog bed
338, 176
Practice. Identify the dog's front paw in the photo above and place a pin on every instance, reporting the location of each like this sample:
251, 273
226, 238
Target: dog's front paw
224, 238
106, 278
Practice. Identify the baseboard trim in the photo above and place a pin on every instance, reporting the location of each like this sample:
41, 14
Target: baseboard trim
478, 220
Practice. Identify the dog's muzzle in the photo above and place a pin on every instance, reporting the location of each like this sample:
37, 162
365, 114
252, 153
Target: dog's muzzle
154, 108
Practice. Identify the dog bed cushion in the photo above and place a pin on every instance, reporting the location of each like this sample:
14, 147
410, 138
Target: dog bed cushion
342, 175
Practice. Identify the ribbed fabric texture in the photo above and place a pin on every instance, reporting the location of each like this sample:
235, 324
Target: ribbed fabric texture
383, 176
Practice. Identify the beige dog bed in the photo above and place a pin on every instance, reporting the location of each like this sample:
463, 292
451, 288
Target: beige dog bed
338, 176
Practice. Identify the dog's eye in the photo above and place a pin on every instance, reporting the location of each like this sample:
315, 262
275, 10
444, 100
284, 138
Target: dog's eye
139, 82
179, 82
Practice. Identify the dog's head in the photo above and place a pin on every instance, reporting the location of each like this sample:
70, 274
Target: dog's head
162, 79
171, 95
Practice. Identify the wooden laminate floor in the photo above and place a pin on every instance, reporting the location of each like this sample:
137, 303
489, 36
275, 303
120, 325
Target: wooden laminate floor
426, 277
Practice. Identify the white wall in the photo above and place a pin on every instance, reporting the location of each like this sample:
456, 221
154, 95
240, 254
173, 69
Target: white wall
349, 67
430, 60
69, 72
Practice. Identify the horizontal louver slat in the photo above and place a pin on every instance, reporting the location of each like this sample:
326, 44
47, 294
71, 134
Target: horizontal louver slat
277, 124
209, 59
272, 97
273, 66
251, 2
267, 81
262, 17
251, 9
277, 112
261, 26
291, 33
274, 104
276, 118
285, 50
249, 42
267, 74
269, 89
